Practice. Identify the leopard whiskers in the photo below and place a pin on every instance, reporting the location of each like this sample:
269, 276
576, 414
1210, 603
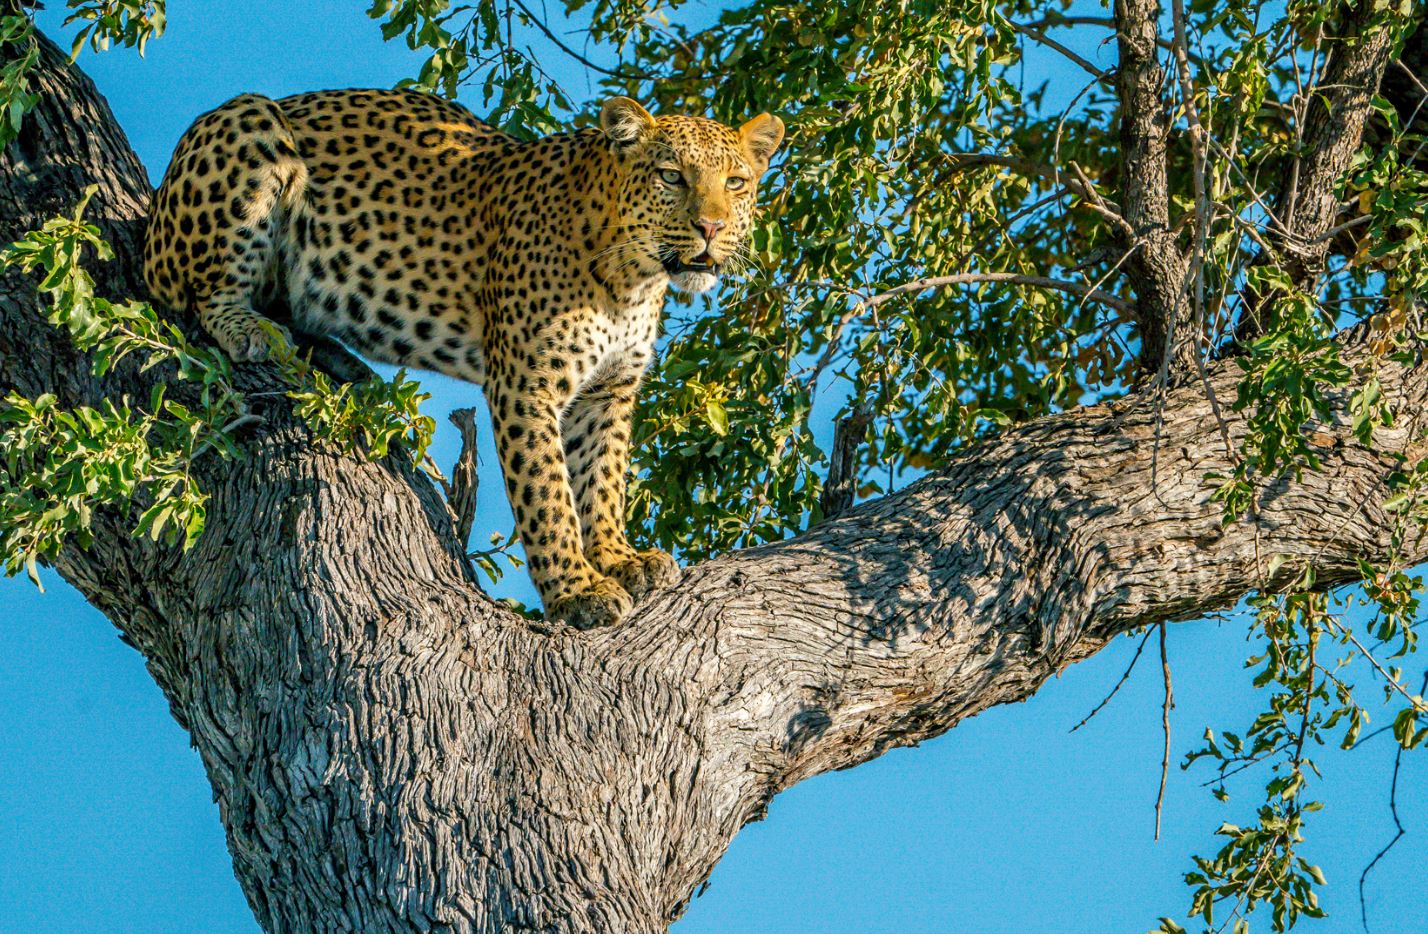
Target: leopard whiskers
627, 248
742, 258
627, 255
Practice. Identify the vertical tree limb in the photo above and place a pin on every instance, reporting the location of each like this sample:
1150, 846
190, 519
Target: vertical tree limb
841, 486
461, 488
1157, 268
1336, 111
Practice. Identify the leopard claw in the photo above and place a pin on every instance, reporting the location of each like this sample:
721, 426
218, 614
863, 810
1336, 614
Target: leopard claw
647, 571
603, 603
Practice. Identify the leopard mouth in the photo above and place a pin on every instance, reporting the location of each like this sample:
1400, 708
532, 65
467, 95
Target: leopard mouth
702, 263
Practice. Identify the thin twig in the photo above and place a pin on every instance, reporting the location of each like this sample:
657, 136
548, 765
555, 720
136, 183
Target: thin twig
1333, 232
1107, 209
1415, 702
241, 421
1055, 20
1038, 36
1399, 832
1107, 699
555, 40
1165, 727
1249, 763
1368, 736
1422, 99
966, 278
869, 302
1083, 187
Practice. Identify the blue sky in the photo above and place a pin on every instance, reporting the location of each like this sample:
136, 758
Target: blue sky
1008, 823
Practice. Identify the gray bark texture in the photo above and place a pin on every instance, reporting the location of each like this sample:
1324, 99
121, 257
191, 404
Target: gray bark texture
392, 751
1336, 115
1155, 262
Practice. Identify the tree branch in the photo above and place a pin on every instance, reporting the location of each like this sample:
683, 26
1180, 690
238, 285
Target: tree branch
461, 489
841, 487
1036, 35
1079, 185
1337, 110
969, 278
1157, 268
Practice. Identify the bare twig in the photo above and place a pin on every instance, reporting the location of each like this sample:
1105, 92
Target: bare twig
1082, 186
1107, 209
1107, 699
966, 278
1422, 99
868, 302
242, 421
1398, 833
1055, 20
1042, 38
1417, 703
1165, 727
1333, 232
555, 40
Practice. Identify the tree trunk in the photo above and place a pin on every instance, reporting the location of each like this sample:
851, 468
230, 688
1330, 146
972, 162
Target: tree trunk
392, 751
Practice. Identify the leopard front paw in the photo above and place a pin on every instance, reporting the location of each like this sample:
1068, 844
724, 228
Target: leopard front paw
646, 571
251, 338
603, 603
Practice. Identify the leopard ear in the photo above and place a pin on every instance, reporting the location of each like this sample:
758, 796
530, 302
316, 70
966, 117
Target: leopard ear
625, 122
761, 137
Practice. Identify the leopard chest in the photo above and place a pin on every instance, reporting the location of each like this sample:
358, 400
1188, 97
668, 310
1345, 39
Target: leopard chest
618, 335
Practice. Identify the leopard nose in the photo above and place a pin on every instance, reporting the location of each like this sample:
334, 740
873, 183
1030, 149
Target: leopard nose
708, 227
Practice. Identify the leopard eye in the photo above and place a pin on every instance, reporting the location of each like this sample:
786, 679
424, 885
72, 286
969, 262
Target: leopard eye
672, 177
735, 183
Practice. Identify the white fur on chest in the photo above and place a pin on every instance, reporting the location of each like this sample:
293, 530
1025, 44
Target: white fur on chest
622, 334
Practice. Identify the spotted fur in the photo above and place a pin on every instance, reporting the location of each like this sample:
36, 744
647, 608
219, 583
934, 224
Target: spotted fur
400, 224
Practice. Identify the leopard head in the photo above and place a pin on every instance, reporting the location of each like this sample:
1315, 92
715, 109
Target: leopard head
689, 188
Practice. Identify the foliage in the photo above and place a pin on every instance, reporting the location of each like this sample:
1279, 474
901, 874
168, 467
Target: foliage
62, 464
373, 415
517, 94
131, 23
17, 36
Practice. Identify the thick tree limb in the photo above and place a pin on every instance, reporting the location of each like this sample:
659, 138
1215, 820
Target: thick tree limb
391, 751
1157, 265
1336, 111
1405, 83
840, 487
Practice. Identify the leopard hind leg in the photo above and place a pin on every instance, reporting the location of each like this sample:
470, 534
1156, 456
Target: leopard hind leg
219, 220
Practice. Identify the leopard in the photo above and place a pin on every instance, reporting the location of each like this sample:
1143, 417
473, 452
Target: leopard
400, 225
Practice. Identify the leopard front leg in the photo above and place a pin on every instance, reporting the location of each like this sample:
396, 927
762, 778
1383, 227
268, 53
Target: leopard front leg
527, 434
596, 433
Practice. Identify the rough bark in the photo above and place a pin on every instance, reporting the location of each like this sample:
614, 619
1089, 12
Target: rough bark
1403, 81
1335, 115
391, 751
1156, 265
